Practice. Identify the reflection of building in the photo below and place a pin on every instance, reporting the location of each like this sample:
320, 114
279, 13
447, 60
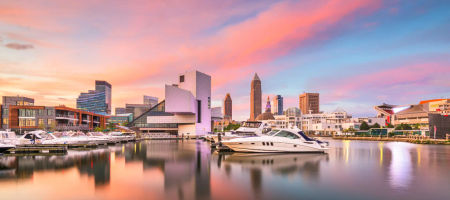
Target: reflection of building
185, 110
12, 101
277, 105
228, 108
309, 103
98, 100
255, 98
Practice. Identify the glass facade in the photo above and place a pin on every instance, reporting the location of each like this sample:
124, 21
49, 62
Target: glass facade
98, 100
158, 110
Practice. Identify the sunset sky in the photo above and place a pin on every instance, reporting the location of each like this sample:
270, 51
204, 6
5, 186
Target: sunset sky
356, 54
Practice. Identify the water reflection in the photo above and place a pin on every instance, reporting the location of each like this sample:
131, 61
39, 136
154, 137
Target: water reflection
190, 170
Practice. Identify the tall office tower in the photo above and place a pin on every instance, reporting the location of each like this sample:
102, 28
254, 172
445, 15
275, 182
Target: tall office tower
309, 103
98, 100
277, 105
149, 100
255, 98
268, 107
228, 108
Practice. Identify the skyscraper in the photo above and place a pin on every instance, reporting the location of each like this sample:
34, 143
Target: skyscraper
255, 98
98, 100
228, 108
277, 105
309, 102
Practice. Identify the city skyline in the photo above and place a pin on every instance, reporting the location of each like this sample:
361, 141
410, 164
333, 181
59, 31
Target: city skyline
355, 54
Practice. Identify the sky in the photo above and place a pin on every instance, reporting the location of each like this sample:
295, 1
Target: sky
356, 54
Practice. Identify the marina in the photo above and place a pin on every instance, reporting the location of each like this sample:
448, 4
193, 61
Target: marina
190, 169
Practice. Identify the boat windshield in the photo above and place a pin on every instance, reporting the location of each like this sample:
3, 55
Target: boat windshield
271, 133
287, 134
304, 136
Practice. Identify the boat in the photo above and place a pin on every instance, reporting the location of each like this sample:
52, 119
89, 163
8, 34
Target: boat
248, 129
6, 147
8, 137
71, 138
282, 140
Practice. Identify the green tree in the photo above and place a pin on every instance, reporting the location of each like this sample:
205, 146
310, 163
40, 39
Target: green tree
416, 126
98, 129
403, 127
364, 126
376, 125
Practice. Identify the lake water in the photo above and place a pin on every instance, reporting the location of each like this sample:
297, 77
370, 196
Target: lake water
189, 170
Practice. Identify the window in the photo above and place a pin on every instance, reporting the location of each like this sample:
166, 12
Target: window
287, 134
5, 121
50, 122
199, 111
181, 78
41, 122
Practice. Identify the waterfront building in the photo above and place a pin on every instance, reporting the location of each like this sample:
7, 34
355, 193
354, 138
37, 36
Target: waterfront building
122, 119
8, 101
136, 109
415, 114
277, 105
255, 98
291, 118
98, 100
186, 109
149, 100
309, 103
217, 119
439, 125
52, 118
120, 111
228, 108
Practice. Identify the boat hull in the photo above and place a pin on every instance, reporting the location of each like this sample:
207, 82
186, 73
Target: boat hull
264, 145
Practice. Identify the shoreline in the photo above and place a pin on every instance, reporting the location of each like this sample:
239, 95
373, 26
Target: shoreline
390, 139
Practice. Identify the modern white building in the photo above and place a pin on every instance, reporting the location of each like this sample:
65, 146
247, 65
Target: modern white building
186, 109
291, 118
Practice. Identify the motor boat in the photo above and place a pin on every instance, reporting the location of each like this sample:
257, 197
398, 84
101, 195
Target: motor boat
282, 140
248, 129
71, 138
8, 137
122, 137
6, 147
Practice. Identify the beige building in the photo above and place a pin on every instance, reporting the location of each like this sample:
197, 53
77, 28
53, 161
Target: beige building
309, 103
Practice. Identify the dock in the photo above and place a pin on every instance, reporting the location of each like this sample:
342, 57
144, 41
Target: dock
38, 149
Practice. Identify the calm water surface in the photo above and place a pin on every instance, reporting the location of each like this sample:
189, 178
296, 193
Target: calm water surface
189, 170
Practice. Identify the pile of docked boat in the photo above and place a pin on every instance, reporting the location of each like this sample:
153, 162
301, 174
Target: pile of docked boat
259, 138
9, 139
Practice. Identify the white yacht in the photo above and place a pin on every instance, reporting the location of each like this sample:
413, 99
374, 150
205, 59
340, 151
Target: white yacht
71, 139
283, 140
7, 137
6, 147
248, 129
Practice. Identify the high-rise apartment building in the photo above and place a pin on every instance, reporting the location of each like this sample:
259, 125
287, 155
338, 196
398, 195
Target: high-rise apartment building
309, 103
255, 98
277, 105
228, 108
98, 100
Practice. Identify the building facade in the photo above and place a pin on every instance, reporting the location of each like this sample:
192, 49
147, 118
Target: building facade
149, 100
228, 108
119, 111
57, 118
309, 103
122, 119
98, 100
277, 105
136, 109
291, 118
186, 109
255, 98
8, 101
